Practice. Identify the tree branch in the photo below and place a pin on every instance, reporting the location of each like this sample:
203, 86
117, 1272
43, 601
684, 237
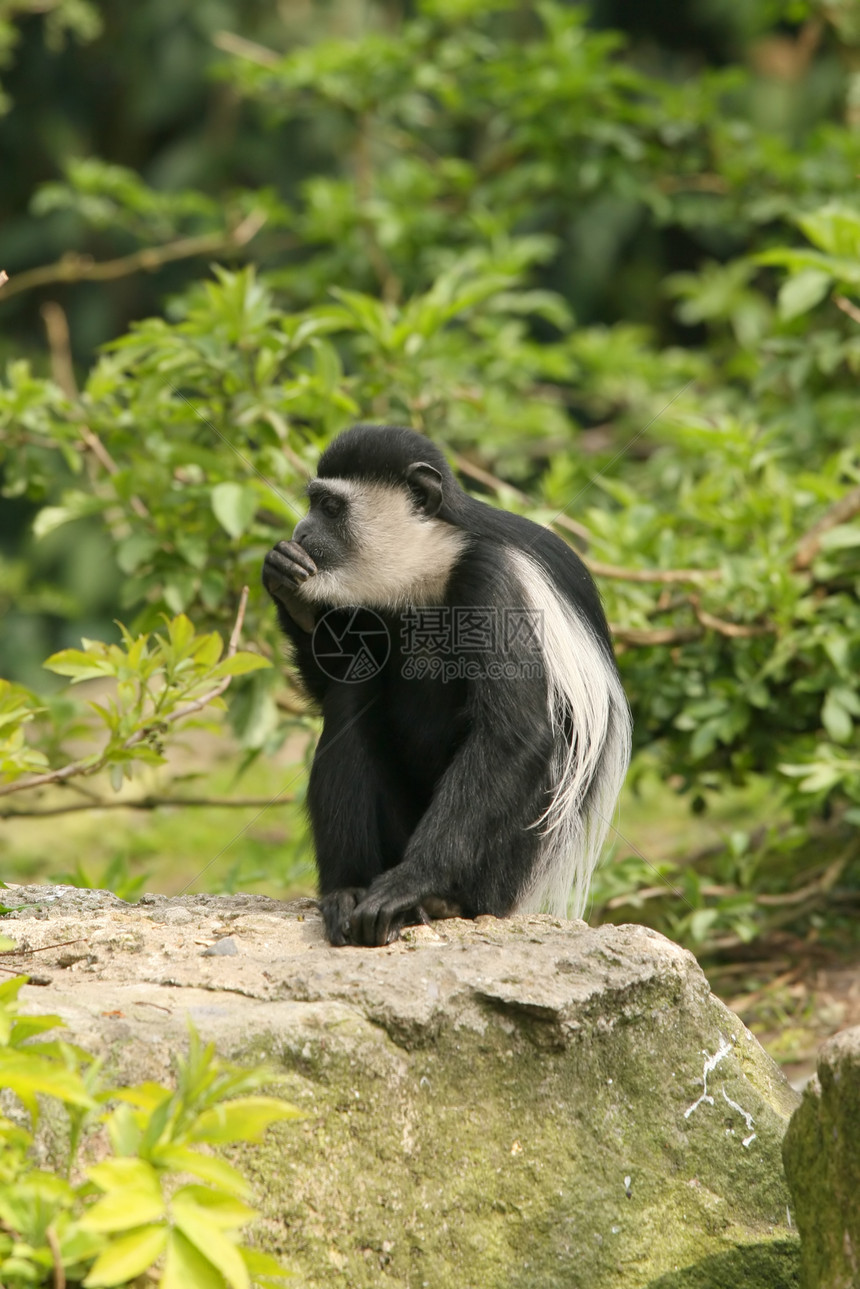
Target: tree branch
59, 344
661, 576
847, 306
839, 513
74, 267
242, 48
643, 637
734, 630
149, 802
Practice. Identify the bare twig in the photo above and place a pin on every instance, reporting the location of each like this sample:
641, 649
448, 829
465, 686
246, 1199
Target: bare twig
472, 471
100, 452
74, 267
88, 767
42, 948
57, 329
57, 1257
642, 637
230, 43
847, 306
839, 513
734, 630
661, 576
149, 802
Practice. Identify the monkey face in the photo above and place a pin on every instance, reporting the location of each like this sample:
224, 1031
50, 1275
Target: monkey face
378, 545
326, 533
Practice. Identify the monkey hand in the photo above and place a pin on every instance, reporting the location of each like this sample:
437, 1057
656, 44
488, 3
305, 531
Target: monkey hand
392, 902
286, 568
336, 908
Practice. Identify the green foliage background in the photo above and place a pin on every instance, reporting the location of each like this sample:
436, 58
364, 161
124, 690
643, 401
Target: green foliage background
607, 261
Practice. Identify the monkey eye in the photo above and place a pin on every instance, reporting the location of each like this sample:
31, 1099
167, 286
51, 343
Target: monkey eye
331, 506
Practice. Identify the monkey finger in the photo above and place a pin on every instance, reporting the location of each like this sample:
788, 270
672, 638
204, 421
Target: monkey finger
336, 908
379, 919
280, 569
293, 551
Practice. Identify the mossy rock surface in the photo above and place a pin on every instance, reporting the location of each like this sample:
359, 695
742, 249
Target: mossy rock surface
822, 1160
489, 1105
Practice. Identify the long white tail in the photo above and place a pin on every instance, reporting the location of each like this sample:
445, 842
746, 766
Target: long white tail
585, 696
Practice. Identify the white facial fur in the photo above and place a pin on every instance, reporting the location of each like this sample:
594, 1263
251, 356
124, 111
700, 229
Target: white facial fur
403, 557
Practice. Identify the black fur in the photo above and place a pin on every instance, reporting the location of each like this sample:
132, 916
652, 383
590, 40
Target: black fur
423, 790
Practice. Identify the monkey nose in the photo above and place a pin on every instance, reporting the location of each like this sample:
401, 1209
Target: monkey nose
301, 531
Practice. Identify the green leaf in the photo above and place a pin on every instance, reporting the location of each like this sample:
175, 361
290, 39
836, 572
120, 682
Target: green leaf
79, 665
134, 1197
233, 506
209, 1168
181, 632
145, 1095
113, 1174
245, 1119
226, 1211
28, 1075
186, 1267
842, 537
208, 1238
262, 1264
135, 550
240, 664
123, 1209
837, 711
802, 292
833, 228
127, 1257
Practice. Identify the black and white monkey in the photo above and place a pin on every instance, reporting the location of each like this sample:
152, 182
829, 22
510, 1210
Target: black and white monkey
476, 765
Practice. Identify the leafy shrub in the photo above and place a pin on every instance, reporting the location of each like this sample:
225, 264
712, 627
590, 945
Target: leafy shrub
102, 1222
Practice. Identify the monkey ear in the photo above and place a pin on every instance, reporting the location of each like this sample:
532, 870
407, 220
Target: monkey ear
425, 484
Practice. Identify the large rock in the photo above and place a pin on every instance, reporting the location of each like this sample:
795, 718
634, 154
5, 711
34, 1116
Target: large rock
527, 1104
822, 1160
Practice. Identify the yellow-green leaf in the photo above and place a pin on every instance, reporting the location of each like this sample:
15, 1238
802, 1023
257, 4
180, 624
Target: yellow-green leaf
181, 632
227, 1212
263, 1264
127, 1257
208, 1238
240, 663
207, 1167
27, 1074
245, 1119
117, 1173
123, 1209
145, 1095
185, 1266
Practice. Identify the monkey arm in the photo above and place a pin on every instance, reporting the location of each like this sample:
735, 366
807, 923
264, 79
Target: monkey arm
285, 570
356, 811
473, 848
